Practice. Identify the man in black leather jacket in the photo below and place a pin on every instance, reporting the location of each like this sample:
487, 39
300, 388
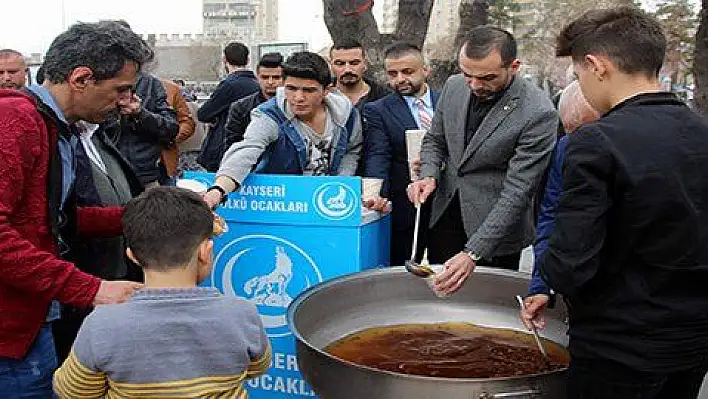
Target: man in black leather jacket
270, 77
148, 126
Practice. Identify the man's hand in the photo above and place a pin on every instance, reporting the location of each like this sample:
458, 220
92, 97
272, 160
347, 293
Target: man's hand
457, 270
377, 204
115, 292
212, 198
533, 313
133, 107
419, 191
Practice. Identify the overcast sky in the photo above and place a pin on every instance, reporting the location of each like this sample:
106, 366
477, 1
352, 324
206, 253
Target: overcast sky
30, 25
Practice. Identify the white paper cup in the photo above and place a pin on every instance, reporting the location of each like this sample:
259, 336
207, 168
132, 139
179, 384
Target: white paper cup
414, 140
431, 280
194, 185
370, 187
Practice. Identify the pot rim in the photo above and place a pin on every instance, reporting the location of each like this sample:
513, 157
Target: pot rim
308, 293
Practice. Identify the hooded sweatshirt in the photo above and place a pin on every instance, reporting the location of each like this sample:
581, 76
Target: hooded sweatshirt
263, 131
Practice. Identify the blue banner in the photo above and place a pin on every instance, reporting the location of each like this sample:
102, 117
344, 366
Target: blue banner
292, 200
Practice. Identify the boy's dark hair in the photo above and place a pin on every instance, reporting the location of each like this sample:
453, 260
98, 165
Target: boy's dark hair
270, 60
481, 41
629, 37
401, 49
236, 54
307, 65
104, 47
347, 44
165, 225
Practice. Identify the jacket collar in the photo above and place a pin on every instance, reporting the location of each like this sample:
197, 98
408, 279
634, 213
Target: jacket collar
656, 98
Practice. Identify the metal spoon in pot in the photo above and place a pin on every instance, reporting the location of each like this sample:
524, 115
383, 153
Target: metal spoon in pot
411, 265
534, 330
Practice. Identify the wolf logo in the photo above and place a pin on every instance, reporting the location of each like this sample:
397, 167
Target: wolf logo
338, 201
271, 289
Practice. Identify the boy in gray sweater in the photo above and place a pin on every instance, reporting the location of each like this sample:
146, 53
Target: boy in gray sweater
172, 338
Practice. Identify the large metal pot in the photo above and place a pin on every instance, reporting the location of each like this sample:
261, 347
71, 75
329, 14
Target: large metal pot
329, 311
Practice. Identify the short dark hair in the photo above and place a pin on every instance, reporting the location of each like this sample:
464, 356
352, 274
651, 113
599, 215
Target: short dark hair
104, 47
7, 52
401, 49
236, 54
164, 226
308, 65
347, 44
629, 37
270, 60
483, 40
179, 82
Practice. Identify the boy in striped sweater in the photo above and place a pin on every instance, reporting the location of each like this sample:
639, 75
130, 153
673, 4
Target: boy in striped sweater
172, 338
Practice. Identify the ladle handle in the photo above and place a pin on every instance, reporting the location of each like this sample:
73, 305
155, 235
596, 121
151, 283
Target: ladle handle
415, 232
534, 330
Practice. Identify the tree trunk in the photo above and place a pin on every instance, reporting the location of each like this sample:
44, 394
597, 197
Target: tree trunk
342, 23
472, 13
700, 61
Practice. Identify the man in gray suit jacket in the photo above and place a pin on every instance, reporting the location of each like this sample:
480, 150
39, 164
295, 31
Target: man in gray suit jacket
489, 145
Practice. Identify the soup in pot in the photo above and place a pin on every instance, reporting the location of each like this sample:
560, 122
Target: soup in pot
452, 350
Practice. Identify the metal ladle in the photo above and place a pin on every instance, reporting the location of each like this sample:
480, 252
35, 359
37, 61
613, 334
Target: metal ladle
534, 330
411, 265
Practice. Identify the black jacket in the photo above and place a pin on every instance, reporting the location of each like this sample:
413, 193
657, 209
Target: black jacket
376, 92
233, 88
630, 248
142, 137
239, 117
89, 254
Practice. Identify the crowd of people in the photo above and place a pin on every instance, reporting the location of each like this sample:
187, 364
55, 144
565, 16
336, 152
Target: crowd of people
88, 216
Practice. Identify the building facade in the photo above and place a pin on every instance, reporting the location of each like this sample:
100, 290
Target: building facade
249, 21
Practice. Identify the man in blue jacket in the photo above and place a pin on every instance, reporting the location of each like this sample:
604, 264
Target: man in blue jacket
306, 129
411, 107
574, 112
240, 83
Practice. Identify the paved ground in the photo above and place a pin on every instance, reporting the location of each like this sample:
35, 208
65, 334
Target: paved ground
527, 264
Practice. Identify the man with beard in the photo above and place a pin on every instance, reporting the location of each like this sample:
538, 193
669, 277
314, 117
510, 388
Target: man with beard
348, 61
270, 76
13, 69
484, 160
411, 107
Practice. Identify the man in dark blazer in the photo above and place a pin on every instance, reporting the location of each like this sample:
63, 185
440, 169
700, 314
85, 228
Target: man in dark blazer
489, 145
385, 156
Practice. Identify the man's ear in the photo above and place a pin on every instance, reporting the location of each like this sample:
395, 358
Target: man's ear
515, 65
80, 77
205, 252
597, 65
131, 256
